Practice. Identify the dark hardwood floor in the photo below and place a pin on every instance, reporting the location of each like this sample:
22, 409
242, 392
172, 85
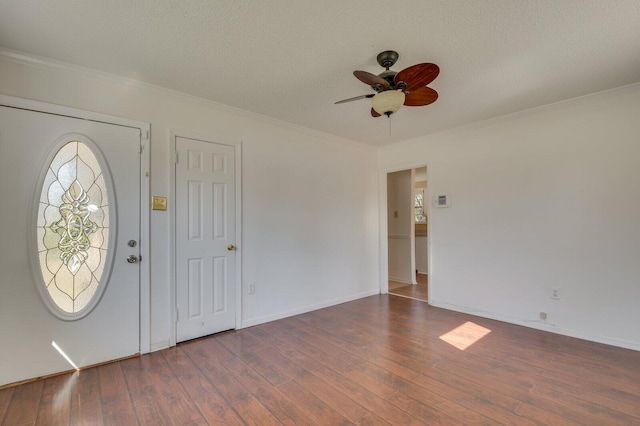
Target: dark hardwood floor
379, 360
419, 291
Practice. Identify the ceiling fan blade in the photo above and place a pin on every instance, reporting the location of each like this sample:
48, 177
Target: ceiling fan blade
418, 75
370, 79
421, 96
355, 98
374, 113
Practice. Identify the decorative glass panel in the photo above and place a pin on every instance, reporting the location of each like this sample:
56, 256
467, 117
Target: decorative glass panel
73, 227
419, 208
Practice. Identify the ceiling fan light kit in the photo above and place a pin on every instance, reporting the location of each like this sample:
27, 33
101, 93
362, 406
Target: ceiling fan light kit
388, 102
395, 89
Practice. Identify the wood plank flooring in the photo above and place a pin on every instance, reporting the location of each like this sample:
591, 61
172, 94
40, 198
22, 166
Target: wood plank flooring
417, 291
375, 361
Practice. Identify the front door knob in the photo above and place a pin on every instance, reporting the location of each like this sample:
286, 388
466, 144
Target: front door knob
132, 258
231, 247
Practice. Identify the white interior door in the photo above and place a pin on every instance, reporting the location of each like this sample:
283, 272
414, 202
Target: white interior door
28, 326
205, 238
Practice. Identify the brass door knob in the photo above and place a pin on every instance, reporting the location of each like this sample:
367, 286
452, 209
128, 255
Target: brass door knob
231, 247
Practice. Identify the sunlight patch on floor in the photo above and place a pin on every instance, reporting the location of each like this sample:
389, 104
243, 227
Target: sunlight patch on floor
465, 335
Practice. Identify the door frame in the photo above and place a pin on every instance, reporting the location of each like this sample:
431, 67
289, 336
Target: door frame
145, 206
237, 147
384, 231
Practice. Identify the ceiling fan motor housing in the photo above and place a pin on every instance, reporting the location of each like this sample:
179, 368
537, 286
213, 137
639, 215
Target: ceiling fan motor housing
389, 76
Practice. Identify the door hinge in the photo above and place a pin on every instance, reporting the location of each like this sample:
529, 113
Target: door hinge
177, 315
175, 157
144, 136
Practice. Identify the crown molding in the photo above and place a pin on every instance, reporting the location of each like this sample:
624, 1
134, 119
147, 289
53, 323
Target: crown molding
52, 64
555, 106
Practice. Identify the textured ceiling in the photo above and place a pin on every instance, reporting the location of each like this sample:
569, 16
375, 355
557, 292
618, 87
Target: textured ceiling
291, 60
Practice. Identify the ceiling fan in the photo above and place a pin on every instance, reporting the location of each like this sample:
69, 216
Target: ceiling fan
407, 87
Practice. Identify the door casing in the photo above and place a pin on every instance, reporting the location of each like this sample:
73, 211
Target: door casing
384, 232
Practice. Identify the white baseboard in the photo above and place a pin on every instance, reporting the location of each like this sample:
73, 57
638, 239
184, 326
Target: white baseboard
163, 344
398, 280
537, 324
274, 317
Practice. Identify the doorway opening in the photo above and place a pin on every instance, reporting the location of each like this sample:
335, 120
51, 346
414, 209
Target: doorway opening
407, 233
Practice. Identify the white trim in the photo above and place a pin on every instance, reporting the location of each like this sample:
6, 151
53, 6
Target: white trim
400, 280
173, 135
412, 227
476, 125
383, 261
309, 308
538, 324
171, 209
163, 344
145, 238
145, 128
49, 64
52, 64
427, 206
407, 297
71, 112
239, 287
384, 232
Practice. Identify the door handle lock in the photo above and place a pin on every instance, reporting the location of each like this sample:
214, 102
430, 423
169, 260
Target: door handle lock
133, 258
231, 247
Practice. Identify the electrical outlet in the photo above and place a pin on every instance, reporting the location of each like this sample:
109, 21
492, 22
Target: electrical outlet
251, 288
555, 293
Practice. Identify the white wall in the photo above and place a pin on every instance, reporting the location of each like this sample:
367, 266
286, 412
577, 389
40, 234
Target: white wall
310, 218
399, 228
541, 199
422, 254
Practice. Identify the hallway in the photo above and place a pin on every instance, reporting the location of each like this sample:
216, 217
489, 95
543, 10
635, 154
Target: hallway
418, 291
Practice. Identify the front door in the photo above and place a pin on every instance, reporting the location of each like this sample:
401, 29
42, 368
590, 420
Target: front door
205, 238
70, 218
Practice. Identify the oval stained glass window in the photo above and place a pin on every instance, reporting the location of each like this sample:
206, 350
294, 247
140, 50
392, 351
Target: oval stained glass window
73, 229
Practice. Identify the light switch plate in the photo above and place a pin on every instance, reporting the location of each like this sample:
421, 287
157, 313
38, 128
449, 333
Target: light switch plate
158, 203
